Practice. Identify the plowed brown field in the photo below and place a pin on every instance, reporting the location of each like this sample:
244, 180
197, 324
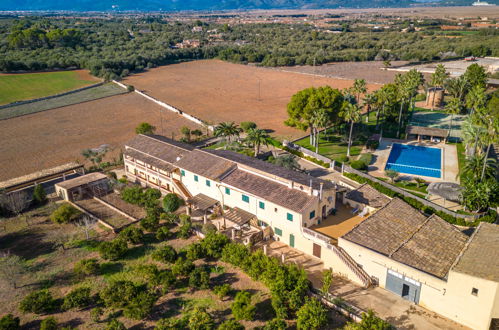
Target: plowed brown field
218, 91
50, 138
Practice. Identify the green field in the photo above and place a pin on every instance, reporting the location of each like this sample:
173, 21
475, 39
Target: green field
19, 87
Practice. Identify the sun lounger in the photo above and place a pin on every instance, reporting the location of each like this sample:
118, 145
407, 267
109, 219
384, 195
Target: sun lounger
364, 212
355, 210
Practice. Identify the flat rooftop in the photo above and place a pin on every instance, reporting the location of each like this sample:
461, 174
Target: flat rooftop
339, 224
81, 180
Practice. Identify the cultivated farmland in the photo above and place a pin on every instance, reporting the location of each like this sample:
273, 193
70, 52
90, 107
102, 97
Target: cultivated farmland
27, 86
218, 91
49, 138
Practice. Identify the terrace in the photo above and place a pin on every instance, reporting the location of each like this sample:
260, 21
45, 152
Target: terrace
337, 225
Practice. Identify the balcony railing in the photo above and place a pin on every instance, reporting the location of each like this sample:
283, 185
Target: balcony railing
317, 236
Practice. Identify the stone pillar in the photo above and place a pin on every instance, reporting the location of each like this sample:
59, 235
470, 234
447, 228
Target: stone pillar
283, 257
188, 210
205, 219
233, 234
265, 249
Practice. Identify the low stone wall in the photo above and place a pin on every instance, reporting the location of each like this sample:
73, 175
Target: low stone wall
307, 152
10, 105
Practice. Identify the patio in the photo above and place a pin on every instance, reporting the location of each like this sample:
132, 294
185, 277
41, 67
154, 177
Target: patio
339, 224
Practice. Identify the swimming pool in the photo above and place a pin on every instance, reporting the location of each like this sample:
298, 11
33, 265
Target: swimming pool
415, 160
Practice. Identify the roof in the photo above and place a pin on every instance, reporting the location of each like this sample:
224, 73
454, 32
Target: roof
403, 234
274, 192
238, 216
479, 257
272, 169
201, 202
367, 195
205, 164
161, 164
39, 175
431, 131
82, 180
449, 190
159, 147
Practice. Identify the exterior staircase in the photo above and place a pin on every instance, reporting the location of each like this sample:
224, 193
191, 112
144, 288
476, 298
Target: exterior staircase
181, 188
352, 265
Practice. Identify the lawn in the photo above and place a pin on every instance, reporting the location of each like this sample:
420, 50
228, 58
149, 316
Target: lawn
332, 146
19, 87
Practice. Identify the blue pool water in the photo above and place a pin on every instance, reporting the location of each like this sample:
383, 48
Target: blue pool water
415, 160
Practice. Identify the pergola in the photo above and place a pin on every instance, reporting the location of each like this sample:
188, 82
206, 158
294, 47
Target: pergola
200, 202
428, 131
238, 216
447, 190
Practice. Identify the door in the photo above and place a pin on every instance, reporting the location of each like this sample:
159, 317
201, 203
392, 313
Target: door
324, 215
405, 291
292, 240
403, 286
316, 250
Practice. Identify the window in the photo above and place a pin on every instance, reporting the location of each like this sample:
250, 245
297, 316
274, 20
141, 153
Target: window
277, 231
196, 178
262, 223
245, 198
275, 209
289, 216
208, 183
474, 291
312, 214
227, 191
182, 172
261, 205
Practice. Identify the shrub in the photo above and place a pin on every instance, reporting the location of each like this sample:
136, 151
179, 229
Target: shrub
150, 222
169, 217
113, 250
132, 195
163, 233
136, 300
64, 214
150, 197
242, 309
208, 228
369, 321
214, 243
222, 291
231, 325
235, 254
9, 322
185, 229
199, 278
366, 158
312, 315
171, 202
343, 159
96, 313
140, 306
130, 88
172, 323
182, 267
86, 267
247, 125
200, 320
165, 254
114, 324
39, 195
50, 323
372, 144
392, 174
38, 302
132, 235
167, 279
184, 219
77, 298
359, 165
275, 324
194, 251
145, 128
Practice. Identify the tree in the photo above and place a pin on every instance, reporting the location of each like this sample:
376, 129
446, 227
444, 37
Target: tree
439, 76
16, 202
257, 137
39, 195
359, 87
476, 99
163, 233
478, 196
200, 320
86, 223
171, 202
227, 130
214, 243
87, 267
327, 280
247, 125
242, 308
38, 302
231, 325
312, 315
318, 120
186, 131
197, 133
350, 113
369, 102
9, 322
65, 213
276, 324
114, 324
288, 161
145, 128
132, 235
77, 298
166, 254
222, 291
391, 174
199, 278
369, 321
453, 107
113, 250
11, 268
50, 323
476, 75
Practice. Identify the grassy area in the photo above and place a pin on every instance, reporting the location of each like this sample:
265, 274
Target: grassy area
461, 158
407, 185
332, 146
62, 101
19, 87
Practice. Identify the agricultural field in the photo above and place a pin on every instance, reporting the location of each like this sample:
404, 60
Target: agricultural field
90, 94
27, 86
217, 91
50, 138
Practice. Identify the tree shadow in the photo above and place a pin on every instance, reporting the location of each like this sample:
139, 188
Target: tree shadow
224, 278
26, 244
110, 268
138, 252
32, 325
264, 310
73, 324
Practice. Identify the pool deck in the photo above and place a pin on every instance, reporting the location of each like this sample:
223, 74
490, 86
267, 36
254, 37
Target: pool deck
449, 169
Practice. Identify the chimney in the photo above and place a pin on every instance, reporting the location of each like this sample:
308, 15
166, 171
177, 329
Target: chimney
320, 192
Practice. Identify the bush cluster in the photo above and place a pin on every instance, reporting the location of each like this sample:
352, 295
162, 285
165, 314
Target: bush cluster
9, 322
136, 300
38, 302
171, 202
132, 235
165, 254
242, 308
139, 196
77, 298
64, 214
113, 250
87, 267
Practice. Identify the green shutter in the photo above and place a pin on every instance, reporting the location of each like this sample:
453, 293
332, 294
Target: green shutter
208, 183
245, 198
289, 216
227, 191
196, 178
182, 172
277, 231
261, 205
312, 214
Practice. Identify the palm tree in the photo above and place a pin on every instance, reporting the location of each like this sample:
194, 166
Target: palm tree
359, 87
257, 137
491, 123
474, 166
403, 92
453, 107
476, 98
318, 120
227, 130
369, 101
439, 76
473, 134
351, 113
457, 87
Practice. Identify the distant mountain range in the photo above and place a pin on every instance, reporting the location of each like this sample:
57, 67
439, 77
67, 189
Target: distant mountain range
177, 5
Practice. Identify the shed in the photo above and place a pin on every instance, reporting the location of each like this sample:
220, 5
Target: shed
89, 185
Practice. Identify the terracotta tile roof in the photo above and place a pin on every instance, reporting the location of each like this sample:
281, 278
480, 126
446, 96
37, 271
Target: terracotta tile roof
205, 164
159, 147
480, 256
82, 180
367, 195
433, 248
272, 191
272, 169
161, 164
431, 131
403, 234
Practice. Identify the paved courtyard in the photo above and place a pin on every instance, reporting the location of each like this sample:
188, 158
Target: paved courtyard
339, 224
